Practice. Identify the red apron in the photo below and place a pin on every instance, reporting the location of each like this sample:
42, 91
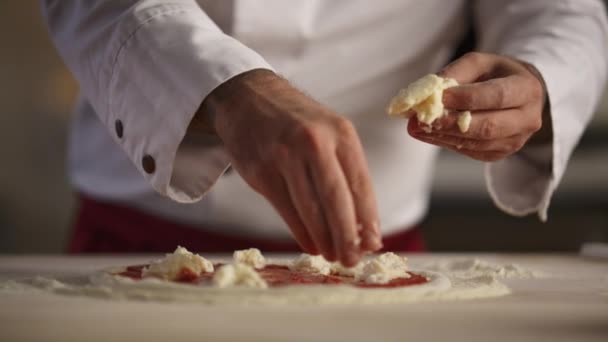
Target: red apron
103, 227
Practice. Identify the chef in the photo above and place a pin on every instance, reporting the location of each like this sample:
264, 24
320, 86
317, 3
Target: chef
221, 125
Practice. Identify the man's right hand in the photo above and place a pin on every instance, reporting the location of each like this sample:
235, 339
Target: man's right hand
304, 158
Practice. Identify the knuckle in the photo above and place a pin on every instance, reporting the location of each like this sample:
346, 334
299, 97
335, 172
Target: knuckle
466, 99
358, 185
344, 127
487, 129
310, 136
474, 57
500, 92
280, 153
471, 100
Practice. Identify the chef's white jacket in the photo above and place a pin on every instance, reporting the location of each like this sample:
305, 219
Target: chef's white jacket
144, 67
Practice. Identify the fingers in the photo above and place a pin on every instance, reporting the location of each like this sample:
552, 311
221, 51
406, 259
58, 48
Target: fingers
484, 125
506, 145
470, 149
338, 206
498, 93
470, 67
279, 196
506, 101
354, 166
308, 206
480, 149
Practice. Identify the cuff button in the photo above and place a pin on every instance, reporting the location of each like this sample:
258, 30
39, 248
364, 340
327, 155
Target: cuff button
118, 128
148, 163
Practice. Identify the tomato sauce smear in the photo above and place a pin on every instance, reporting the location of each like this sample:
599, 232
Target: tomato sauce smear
280, 275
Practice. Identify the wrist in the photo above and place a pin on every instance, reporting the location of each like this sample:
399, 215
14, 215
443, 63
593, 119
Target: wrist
226, 98
545, 134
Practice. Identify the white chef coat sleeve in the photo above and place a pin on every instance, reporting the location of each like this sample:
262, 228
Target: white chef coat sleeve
146, 66
566, 41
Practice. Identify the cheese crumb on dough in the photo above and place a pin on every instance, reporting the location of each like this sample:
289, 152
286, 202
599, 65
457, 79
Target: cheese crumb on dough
424, 97
238, 274
464, 121
383, 269
171, 266
252, 257
311, 264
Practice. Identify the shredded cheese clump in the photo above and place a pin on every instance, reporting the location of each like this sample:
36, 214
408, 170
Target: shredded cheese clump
237, 274
311, 264
252, 257
424, 97
383, 269
464, 121
172, 265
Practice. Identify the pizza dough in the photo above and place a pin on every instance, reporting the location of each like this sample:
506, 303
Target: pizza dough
447, 280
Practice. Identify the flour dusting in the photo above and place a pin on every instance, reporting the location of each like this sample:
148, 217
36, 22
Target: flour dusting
476, 267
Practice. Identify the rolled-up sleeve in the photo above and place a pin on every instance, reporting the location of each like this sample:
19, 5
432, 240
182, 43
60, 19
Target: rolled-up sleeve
146, 66
566, 41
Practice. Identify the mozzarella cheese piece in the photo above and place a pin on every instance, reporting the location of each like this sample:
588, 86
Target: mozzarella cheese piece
170, 267
311, 264
424, 97
383, 269
238, 274
252, 257
464, 121
339, 269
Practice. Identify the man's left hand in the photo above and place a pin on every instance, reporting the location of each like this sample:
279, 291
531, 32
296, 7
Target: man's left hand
506, 99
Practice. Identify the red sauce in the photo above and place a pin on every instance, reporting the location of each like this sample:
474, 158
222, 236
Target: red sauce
279, 275
186, 275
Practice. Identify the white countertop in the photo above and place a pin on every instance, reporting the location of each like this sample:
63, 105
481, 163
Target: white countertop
571, 306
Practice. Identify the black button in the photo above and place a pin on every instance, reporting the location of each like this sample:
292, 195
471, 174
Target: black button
148, 163
118, 127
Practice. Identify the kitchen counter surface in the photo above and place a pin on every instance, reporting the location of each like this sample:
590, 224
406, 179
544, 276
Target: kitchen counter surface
569, 305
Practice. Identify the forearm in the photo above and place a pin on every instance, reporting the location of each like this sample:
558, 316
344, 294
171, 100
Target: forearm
149, 65
566, 41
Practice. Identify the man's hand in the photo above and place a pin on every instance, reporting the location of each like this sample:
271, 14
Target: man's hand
305, 159
506, 99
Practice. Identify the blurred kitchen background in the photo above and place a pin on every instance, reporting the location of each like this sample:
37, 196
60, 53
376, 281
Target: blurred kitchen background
36, 202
